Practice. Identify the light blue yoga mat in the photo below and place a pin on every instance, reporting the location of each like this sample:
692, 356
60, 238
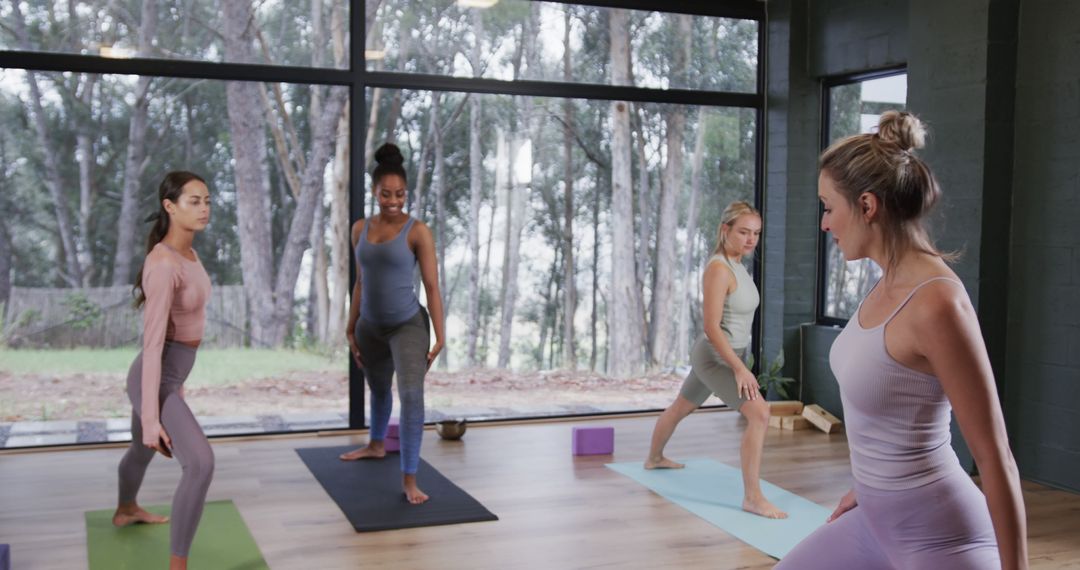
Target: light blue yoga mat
714, 491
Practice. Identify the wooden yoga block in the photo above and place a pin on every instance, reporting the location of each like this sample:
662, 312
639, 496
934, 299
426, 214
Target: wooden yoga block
821, 419
791, 421
785, 408
794, 422
593, 440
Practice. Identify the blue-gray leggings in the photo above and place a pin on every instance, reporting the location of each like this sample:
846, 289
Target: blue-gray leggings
400, 348
189, 445
944, 524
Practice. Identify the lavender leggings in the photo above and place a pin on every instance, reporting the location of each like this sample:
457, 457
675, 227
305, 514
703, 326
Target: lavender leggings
944, 524
189, 445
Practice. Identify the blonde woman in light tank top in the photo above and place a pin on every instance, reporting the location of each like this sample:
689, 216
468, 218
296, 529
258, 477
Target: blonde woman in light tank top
731, 299
911, 354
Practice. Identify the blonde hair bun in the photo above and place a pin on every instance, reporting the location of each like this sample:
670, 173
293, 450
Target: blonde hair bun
901, 129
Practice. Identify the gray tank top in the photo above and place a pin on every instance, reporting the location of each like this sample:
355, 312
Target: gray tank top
388, 296
739, 307
897, 418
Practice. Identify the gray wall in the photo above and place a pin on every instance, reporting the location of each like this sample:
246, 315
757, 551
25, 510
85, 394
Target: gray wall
849, 36
999, 84
1042, 401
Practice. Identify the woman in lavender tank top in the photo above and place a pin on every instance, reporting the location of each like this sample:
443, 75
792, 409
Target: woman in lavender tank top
910, 355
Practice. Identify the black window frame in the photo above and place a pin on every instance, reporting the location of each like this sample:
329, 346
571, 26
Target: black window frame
827, 84
357, 78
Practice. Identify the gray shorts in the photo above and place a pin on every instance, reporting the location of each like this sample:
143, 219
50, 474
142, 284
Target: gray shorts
709, 375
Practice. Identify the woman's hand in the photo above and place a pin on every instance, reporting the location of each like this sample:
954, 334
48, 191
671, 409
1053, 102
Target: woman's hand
155, 438
847, 502
434, 353
749, 388
354, 349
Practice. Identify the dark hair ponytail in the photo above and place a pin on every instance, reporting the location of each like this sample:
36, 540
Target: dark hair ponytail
388, 161
171, 187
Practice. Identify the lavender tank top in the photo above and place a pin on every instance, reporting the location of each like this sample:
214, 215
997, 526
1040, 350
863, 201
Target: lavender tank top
897, 418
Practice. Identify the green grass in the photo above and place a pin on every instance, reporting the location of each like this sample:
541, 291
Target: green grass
213, 366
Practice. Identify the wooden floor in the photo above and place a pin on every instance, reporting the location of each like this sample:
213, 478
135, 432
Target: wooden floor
555, 511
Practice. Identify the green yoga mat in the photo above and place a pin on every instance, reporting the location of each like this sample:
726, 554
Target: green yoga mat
714, 491
222, 541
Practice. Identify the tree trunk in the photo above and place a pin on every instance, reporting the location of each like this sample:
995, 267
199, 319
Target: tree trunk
320, 291
645, 203
6, 254
72, 273
475, 191
517, 199
439, 179
85, 150
340, 246
569, 271
520, 152
128, 225
297, 239
247, 129
685, 330
624, 296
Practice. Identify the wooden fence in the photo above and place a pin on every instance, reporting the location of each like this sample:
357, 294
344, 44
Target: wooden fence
102, 317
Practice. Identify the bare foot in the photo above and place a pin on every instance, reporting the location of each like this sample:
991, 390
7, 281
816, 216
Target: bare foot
764, 508
413, 492
369, 451
177, 563
134, 514
663, 463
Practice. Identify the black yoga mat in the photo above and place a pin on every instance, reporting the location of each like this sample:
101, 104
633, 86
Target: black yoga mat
369, 492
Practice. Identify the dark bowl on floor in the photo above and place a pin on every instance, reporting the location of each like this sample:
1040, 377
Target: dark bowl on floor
451, 429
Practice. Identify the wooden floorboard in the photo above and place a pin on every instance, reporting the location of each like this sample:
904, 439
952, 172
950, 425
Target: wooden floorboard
555, 511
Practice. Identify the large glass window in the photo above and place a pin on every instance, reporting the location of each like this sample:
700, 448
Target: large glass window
310, 33
571, 227
525, 39
82, 155
854, 107
542, 180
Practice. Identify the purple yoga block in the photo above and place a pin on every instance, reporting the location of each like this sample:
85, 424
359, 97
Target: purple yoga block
594, 440
392, 430
5, 557
392, 444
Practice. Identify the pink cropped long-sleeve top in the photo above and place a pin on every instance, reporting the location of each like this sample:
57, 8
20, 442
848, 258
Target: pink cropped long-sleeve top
177, 290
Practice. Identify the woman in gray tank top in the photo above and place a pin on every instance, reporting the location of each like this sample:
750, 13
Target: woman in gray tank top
731, 299
388, 329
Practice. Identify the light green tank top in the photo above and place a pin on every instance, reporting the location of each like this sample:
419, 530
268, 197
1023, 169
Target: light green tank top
739, 306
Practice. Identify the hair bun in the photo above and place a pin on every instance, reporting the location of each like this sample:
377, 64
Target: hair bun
902, 129
389, 154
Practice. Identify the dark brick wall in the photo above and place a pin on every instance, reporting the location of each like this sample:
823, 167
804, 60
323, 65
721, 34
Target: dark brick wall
1042, 387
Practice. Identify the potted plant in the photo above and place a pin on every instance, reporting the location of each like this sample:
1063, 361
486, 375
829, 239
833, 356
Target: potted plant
771, 379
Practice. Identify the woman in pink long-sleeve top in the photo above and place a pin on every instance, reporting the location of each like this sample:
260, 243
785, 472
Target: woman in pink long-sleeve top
173, 289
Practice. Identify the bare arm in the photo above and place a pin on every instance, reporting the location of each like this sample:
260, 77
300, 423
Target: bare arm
948, 336
354, 304
717, 281
429, 274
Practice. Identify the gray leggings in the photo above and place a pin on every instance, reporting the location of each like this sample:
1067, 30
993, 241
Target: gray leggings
400, 348
710, 375
189, 445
